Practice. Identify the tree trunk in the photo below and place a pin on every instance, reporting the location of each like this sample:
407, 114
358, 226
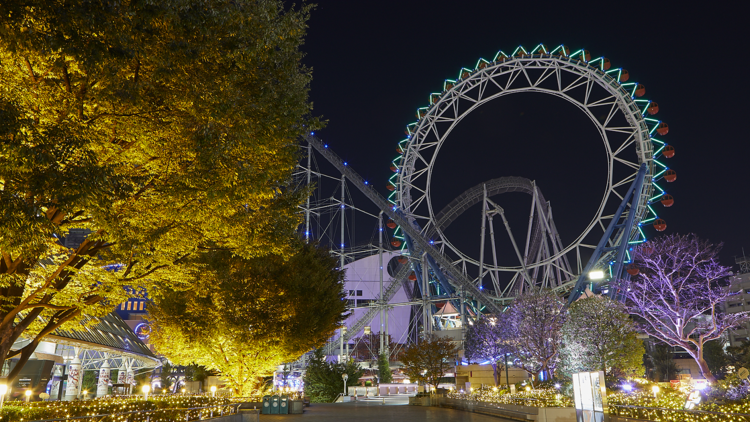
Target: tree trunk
705, 371
494, 372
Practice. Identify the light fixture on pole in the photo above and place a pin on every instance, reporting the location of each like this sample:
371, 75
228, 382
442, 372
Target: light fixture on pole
596, 275
85, 393
3, 392
213, 391
146, 388
345, 377
28, 395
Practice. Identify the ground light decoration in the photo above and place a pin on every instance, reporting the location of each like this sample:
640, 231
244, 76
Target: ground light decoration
170, 408
640, 404
413, 163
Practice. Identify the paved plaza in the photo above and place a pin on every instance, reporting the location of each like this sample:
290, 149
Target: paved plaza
374, 411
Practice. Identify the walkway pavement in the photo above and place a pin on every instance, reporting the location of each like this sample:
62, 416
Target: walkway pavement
375, 411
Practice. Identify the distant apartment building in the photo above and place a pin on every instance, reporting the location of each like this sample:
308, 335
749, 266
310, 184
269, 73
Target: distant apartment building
740, 302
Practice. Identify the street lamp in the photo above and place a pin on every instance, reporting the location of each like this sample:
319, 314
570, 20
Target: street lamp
596, 275
85, 393
183, 391
3, 392
28, 395
656, 390
345, 377
213, 391
146, 388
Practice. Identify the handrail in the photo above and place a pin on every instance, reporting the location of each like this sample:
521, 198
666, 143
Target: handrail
146, 412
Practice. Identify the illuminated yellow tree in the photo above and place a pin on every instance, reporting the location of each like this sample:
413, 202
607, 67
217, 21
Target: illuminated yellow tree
244, 317
164, 128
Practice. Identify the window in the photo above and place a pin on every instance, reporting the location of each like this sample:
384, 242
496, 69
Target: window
140, 306
129, 304
359, 292
732, 305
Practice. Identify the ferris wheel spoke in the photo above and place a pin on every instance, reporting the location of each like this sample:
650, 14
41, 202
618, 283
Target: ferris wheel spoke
610, 100
589, 86
526, 74
627, 163
628, 141
546, 74
575, 84
512, 78
626, 130
612, 112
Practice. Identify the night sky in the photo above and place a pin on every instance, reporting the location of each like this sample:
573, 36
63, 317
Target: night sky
375, 63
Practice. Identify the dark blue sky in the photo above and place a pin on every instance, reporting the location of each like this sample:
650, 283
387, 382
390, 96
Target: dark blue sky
375, 63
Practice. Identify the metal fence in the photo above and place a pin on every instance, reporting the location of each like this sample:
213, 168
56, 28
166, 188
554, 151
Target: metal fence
159, 415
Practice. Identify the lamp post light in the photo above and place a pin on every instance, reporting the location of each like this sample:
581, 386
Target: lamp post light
28, 395
345, 377
146, 388
213, 391
596, 275
656, 390
183, 391
85, 393
3, 392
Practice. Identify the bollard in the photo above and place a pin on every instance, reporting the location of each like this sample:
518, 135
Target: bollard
187, 416
383, 401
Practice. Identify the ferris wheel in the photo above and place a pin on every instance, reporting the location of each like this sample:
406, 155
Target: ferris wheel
616, 107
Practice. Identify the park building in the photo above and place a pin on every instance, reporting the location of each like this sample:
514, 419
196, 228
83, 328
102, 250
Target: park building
740, 302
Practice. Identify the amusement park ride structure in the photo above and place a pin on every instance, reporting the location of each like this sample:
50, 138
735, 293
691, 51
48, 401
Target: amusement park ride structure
437, 269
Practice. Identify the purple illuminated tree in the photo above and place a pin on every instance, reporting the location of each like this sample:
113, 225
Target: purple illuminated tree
485, 342
534, 326
678, 293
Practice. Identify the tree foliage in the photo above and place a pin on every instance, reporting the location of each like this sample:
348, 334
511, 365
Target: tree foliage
678, 293
427, 361
323, 380
665, 367
598, 335
248, 316
384, 369
534, 331
164, 128
486, 341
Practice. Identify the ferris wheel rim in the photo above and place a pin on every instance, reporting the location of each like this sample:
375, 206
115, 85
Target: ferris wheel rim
625, 104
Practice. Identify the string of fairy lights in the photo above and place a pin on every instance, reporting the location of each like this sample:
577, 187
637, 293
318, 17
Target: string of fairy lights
648, 402
132, 409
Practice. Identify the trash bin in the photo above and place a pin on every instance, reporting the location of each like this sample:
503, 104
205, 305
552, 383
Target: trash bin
274, 405
284, 405
266, 409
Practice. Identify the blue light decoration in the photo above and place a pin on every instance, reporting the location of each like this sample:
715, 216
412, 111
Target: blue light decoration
325, 146
345, 163
312, 133
366, 182
142, 330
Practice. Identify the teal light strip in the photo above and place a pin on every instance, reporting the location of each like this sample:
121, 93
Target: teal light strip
656, 197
